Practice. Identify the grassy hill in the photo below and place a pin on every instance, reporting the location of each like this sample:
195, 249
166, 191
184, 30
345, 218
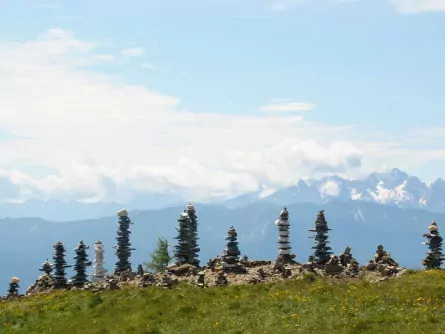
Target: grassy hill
413, 303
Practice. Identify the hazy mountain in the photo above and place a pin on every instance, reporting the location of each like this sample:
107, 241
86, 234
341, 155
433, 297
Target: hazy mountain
67, 211
27, 242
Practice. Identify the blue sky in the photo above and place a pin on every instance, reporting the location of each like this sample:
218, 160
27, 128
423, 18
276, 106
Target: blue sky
378, 66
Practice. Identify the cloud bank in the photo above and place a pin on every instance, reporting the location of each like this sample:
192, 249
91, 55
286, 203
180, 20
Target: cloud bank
102, 139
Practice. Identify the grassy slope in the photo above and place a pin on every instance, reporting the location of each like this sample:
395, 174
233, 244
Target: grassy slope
414, 303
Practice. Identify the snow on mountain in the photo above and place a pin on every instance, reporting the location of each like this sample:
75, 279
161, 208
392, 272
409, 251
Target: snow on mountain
394, 188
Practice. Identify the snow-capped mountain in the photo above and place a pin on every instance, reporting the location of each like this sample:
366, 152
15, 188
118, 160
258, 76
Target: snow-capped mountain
395, 188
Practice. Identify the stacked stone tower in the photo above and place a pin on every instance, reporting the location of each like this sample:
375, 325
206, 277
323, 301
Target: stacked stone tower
231, 253
123, 247
284, 247
99, 272
434, 257
59, 265
322, 252
81, 264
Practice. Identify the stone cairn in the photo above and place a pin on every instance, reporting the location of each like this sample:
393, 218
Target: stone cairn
99, 272
193, 231
322, 252
383, 263
46, 267
231, 253
434, 257
284, 247
221, 279
140, 270
183, 250
81, 264
13, 290
349, 262
59, 265
200, 281
123, 247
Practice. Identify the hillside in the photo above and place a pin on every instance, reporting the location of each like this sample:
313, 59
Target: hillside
412, 303
28, 242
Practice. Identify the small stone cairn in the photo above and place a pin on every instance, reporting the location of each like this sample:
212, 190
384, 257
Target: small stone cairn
348, 262
47, 267
140, 270
221, 279
383, 263
230, 256
333, 266
200, 281
13, 291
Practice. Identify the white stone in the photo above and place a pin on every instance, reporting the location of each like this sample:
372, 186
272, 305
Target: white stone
284, 233
15, 280
123, 213
284, 252
283, 239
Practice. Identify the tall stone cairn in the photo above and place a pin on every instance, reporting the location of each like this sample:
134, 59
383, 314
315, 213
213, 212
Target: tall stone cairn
13, 290
284, 247
183, 250
81, 265
46, 267
322, 252
193, 230
99, 272
434, 257
59, 265
231, 253
123, 247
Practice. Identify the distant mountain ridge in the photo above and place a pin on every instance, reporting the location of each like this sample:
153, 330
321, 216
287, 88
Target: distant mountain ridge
394, 188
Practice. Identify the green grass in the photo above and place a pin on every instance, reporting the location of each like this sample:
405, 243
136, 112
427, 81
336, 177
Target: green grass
414, 303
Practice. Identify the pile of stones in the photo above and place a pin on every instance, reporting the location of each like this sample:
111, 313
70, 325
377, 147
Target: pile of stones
383, 263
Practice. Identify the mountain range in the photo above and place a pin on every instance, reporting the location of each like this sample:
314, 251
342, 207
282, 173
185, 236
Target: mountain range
394, 188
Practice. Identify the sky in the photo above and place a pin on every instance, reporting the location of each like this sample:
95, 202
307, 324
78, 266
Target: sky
104, 100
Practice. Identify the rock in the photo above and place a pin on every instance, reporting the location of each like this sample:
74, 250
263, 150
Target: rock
182, 269
123, 213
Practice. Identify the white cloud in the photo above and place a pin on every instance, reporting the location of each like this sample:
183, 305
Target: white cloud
418, 6
280, 5
105, 58
330, 188
133, 52
111, 140
148, 66
288, 106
